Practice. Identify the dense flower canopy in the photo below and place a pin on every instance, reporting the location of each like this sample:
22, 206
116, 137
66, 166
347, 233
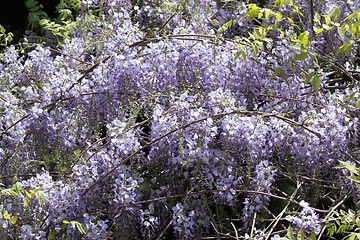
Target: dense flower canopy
177, 120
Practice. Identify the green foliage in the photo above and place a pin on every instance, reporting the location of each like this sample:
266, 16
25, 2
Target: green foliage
13, 191
75, 224
300, 40
316, 82
39, 195
17, 190
345, 48
353, 169
60, 31
24, 196
254, 12
347, 222
67, 9
61, 27
12, 219
290, 235
280, 3
5, 38
36, 13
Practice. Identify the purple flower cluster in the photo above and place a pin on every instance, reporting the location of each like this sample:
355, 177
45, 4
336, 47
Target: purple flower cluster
183, 221
149, 221
261, 182
143, 126
307, 220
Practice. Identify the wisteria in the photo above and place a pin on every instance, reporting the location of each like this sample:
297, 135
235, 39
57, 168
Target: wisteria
308, 220
178, 120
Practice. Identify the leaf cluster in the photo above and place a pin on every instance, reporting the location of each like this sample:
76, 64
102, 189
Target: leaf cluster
5, 38
62, 26
346, 223
290, 235
303, 41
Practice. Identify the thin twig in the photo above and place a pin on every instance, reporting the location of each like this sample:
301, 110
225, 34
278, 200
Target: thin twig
332, 211
276, 221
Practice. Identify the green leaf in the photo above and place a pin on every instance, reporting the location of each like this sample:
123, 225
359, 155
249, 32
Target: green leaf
304, 38
9, 192
345, 47
40, 196
317, 18
316, 82
301, 56
52, 235
341, 31
77, 153
13, 220
355, 178
309, 77
327, 27
30, 3
312, 236
278, 72
26, 202
331, 229
290, 21
29, 195
76, 224
6, 216
228, 24
348, 166
357, 104
253, 12
16, 187
318, 30
79, 227
268, 13
290, 233
301, 235
335, 13
327, 19
240, 53
280, 3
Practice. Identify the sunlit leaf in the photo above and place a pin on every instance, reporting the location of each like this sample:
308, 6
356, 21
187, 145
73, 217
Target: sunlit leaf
317, 18
357, 104
6, 216
13, 219
304, 38
318, 30
348, 166
253, 12
327, 19
345, 47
